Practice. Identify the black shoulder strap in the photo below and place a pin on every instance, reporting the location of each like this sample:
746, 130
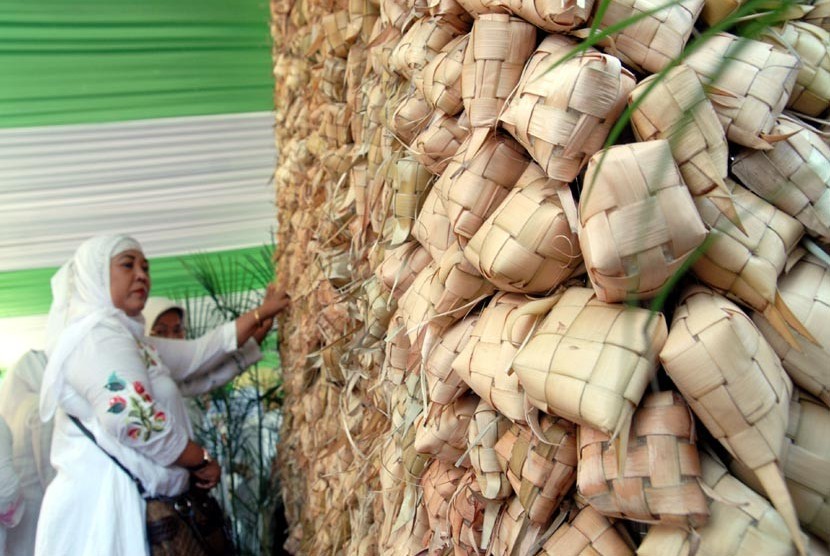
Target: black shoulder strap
89, 435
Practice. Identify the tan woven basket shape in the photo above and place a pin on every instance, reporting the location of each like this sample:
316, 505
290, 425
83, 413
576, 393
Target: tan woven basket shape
590, 361
637, 222
439, 483
741, 523
416, 307
541, 472
659, 483
806, 290
338, 36
338, 162
448, 10
466, 517
735, 384
410, 183
334, 79
458, 285
588, 534
396, 13
433, 228
358, 183
526, 245
819, 15
420, 44
550, 15
750, 90
438, 143
378, 309
443, 384
745, 266
484, 364
362, 17
410, 114
442, 433
498, 49
515, 533
335, 125
677, 110
486, 427
658, 38
379, 194
442, 77
794, 175
476, 181
401, 265
400, 357
806, 464
811, 93
563, 117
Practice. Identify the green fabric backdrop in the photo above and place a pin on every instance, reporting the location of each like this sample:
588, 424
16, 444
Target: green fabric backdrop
119, 60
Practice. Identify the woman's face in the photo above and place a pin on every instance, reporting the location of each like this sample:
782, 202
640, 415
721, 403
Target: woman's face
169, 325
129, 281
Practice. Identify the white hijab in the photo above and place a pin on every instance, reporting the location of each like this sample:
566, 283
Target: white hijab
80, 300
156, 307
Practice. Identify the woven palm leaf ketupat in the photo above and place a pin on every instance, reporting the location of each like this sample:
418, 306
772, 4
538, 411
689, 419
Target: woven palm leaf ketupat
442, 77
657, 39
362, 17
443, 384
658, 482
379, 307
477, 180
401, 265
411, 180
794, 175
448, 10
588, 534
590, 361
806, 290
469, 516
336, 33
637, 221
515, 533
554, 16
458, 286
408, 114
438, 143
442, 434
334, 79
748, 82
811, 93
541, 469
498, 49
744, 265
486, 427
420, 44
485, 362
563, 117
741, 523
433, 228
806, 464
527, 245
677, 110
439, 483
735, 384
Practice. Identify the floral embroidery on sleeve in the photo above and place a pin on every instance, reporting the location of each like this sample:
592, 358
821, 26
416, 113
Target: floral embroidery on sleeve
147, 355
142, 418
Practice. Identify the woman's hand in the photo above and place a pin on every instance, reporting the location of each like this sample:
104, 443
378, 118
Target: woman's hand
274, 302
208, 476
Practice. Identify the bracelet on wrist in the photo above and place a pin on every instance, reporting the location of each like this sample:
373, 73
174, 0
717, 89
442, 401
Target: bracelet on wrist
258, 320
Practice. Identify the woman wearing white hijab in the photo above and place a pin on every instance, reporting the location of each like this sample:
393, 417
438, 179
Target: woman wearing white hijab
164, 318
104, 371
19, 400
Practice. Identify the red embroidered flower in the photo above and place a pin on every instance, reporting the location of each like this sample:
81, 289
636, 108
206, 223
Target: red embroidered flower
117, 405
138, 387
147, 398
133, 433
160, 416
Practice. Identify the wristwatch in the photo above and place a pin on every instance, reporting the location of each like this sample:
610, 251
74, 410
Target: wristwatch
206, 459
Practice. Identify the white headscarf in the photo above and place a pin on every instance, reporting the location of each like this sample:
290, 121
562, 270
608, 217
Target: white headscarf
156, 307
80, 300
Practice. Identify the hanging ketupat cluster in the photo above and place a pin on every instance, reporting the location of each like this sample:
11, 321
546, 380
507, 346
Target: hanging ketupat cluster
481, 356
